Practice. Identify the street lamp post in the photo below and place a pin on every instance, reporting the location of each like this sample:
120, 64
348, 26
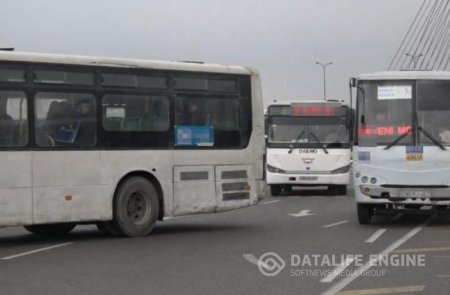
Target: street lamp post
324, 67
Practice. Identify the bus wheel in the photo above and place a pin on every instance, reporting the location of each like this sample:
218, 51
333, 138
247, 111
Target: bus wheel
275, 190
339, 189
136, 207
365, 213
57, 229
107, 228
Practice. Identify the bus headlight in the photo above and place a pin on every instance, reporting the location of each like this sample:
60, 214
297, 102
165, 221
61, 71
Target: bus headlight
364, 179
273, 169
341, 170
373, 180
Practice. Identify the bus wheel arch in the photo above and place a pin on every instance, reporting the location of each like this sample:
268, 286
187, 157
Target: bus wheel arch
150, 177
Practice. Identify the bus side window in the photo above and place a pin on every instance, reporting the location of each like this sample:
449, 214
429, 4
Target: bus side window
65, 120
13, 119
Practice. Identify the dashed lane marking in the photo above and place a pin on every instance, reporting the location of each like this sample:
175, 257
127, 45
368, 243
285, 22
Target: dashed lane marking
36, 251
376, 235
392, 290
335, 224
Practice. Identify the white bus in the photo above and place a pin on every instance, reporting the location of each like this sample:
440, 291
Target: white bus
308, 145
123, 142
401, 153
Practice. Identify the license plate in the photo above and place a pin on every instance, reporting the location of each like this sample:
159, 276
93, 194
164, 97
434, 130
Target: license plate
415, 194
308, 178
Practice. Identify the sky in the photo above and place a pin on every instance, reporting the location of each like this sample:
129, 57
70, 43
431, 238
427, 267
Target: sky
282, 39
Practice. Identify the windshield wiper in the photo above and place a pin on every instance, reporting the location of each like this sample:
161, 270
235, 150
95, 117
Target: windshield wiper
398, 139
324, 146
430, 137
296, 140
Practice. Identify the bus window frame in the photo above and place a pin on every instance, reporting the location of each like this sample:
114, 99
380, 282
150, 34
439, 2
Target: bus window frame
30, 88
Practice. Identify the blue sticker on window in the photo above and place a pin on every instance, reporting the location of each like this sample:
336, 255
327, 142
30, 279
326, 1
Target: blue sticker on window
414, 149
194, 135
363, 156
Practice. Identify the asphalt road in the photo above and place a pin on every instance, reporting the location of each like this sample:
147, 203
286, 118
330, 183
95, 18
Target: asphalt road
219, 254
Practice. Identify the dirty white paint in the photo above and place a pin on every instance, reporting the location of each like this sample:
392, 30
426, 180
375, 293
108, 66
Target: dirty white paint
60, 186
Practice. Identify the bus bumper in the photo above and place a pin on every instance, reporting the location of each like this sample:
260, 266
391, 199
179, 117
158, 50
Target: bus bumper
402, 195
308, 179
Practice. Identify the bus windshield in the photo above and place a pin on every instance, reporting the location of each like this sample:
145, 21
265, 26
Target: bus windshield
288, 131
386, 113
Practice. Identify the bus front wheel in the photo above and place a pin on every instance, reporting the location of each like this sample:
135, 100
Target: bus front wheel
136, 207
275, 190
57, 229
365, 213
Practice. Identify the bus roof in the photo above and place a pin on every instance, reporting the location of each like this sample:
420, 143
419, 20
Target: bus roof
122, 62
406, 75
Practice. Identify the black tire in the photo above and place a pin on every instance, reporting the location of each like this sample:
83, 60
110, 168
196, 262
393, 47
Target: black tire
287, 188
136, 207
338, 189
365, 213
57, 229
108, 228
275, 190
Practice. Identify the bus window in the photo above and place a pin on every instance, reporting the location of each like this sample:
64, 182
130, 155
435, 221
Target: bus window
65, 119
140, 113
63, 77
131, 80
13, 119
12, 75
222, 114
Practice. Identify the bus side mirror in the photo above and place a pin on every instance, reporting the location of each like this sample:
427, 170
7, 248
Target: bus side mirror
352, 82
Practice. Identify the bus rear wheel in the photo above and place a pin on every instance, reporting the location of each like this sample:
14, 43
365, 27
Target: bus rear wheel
108, 228
136, 207
365, 213
57, 229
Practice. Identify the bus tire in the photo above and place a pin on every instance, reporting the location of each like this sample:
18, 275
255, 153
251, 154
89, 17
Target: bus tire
136, 207
108, 228
339, 189
365, 213
57, 229
275, 190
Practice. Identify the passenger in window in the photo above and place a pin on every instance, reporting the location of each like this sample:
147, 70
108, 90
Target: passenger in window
59, 119
6, 128
195, 115
87, 127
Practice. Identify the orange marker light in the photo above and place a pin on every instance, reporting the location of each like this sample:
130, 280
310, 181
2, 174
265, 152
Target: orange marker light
68, 197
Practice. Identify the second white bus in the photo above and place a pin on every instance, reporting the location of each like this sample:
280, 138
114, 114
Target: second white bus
308, 145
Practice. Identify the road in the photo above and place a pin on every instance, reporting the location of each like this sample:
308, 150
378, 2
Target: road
219, 254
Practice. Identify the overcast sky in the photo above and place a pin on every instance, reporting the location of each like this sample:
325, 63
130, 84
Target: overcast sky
282, 39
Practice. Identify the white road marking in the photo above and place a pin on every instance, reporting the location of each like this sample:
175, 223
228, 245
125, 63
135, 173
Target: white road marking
376, 235
301, 213
270, 202
336, 223
337, 271
343, 283
253, 260
36, 251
